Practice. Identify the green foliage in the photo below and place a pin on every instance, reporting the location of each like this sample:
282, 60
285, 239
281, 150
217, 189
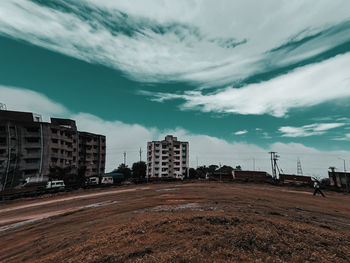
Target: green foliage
124, 169
139, 170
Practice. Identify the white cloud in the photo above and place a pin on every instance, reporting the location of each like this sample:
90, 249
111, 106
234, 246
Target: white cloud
27, 100
346, 137
308, 130
304, 87
240, 132
187, 46
209, 150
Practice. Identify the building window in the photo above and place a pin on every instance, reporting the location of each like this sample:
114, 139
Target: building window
33, 150
32, 129
33, 140
32, 160
54, 150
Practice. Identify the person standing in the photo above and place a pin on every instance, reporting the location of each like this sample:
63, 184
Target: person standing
317, 189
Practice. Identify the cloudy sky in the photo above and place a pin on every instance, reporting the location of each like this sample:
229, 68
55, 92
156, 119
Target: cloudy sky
235, 78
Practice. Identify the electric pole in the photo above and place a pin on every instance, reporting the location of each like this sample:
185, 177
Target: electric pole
124, 158
344, 164
140, 152
299, 169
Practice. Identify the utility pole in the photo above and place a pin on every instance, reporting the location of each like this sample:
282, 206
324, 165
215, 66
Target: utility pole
346, 177
299, 169
124, 158
253, 164
197, 161
344, 164
140, 152
274, 166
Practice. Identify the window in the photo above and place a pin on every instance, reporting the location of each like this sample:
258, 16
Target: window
32, 160
33, 140
32, 129
3, 141
54, 150
33, 150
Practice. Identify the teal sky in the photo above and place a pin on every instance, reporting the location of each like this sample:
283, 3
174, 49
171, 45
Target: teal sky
229, 72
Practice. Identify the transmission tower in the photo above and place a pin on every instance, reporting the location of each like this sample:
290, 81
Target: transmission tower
299, 169
274, 166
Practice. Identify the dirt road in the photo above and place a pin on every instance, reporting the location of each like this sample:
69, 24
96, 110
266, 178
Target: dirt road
196, 222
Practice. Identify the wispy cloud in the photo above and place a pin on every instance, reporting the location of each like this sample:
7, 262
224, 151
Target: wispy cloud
198, 41
303, 87
308, 130
240, 132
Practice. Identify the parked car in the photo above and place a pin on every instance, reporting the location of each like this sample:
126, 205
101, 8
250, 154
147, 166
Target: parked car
59, 185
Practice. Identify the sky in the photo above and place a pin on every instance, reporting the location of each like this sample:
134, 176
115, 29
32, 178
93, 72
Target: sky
236, 79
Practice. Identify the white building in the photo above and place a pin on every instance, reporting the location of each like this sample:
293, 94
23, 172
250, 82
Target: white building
167, 158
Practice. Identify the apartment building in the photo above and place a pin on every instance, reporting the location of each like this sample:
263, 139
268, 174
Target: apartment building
30, 147
92, 153
167, 158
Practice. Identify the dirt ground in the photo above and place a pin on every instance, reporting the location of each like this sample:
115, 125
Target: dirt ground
190, 222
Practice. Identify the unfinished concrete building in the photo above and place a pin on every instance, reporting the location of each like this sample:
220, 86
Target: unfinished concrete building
339, 180
167, 158
30, 147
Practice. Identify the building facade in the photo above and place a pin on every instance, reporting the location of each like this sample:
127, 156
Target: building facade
167, 158
339, 179
92, 153
30, 147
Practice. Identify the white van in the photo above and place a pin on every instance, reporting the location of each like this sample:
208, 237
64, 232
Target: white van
59, 184
107, 180
93, 180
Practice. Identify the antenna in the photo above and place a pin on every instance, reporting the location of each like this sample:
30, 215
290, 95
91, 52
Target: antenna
299, 169
140, 152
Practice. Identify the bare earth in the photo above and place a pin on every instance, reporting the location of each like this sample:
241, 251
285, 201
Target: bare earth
190, 222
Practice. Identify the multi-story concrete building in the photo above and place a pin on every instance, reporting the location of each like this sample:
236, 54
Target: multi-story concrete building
32, 148
167, 158
92, 153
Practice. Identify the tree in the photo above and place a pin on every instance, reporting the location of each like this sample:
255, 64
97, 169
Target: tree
124, 169
70, 176
193, 173
212, 168
225, 169
139, 170
202, 171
